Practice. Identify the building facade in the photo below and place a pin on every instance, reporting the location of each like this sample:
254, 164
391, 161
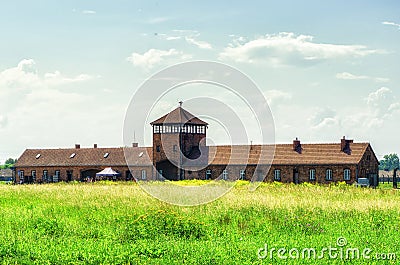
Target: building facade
180, 151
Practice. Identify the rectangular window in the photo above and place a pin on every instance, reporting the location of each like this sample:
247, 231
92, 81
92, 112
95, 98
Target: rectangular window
57, 176
225, 174
143, 174
158, 149
33, 174
208, 174
242, 174
45, 175
21, 175
312, 174
175, 148
347, 174
329, 174
277, 175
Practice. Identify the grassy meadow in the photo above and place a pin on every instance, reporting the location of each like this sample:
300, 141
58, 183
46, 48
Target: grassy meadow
119, 223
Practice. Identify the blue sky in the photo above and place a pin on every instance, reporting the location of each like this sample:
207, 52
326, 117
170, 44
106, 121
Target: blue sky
69, 68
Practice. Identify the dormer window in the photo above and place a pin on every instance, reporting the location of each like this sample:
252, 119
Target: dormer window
106, 155
37, 156
72, 155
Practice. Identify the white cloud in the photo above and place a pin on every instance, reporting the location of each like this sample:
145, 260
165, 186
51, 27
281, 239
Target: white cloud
391, 24
25, 76
349, 76
288, 49
190, 36
382, 103
198, 43
276, 96
33, 103
57, 78
323, 117
155, 57
88, 12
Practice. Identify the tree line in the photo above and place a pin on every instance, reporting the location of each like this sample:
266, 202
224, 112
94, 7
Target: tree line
389, 162
8, 163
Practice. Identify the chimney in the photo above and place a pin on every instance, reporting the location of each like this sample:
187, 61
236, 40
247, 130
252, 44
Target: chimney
345, 145
77, 146
135, 144
297, 145
95, 146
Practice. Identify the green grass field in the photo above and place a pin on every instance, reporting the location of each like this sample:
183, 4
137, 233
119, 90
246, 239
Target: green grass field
118, 223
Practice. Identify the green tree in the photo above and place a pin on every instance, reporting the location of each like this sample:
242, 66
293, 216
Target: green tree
389, 162
10, 161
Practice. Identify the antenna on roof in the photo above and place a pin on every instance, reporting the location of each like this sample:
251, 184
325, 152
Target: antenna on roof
180, 103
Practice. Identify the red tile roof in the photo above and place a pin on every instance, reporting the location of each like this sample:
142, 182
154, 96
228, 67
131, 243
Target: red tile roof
311, 154
179, 116
86, 157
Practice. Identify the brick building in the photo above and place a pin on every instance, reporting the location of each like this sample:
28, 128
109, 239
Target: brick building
179, 151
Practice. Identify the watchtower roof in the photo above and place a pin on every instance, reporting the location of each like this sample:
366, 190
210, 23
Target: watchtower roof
179, 116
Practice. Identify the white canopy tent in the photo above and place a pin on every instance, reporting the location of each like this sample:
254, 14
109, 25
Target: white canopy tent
107, 172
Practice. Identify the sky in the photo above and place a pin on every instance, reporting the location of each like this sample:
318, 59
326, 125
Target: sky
68, 69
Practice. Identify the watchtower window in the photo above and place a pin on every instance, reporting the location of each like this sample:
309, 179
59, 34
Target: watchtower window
208, 174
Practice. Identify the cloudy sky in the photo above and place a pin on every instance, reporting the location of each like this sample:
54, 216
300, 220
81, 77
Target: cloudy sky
68, 69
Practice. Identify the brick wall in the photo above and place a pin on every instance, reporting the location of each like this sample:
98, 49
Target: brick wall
77, 172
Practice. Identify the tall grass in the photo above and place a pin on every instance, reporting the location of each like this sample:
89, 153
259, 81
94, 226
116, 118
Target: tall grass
119, 223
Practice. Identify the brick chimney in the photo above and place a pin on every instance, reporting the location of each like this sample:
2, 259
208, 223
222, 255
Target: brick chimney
135, 144
95, 146
297, 145
77, 146
345, 145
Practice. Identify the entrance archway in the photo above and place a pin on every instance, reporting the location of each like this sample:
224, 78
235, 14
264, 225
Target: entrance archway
89, 173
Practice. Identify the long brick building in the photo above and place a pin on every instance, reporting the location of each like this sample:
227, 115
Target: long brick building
179, 151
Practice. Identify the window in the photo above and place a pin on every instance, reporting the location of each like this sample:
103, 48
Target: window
208, 174
242, 174
175, 148
72, 155
21, 175
368, 157
346, 174
158, 149
37, 156
33, 174
143, 174
277, 174
156, 129
57, 176
312, 174
45, 175
329, 174
106, 155
225, 174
